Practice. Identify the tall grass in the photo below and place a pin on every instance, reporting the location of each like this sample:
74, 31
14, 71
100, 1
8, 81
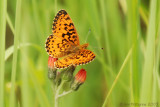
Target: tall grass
134, 36
117, 77
125, 72
148, 70
15, 53
3, 12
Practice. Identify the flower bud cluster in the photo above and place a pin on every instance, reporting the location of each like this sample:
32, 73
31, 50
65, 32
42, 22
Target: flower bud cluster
65, 75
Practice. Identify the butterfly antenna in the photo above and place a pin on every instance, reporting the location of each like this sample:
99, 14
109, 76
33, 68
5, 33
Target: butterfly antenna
55, 6
88, 35
101, 48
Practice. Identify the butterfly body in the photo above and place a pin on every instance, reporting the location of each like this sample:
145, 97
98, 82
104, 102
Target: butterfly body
79, 48
64, 43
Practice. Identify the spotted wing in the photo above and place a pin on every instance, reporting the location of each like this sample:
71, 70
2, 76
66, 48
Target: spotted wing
83, 56
57, 47
64, 36
63, 28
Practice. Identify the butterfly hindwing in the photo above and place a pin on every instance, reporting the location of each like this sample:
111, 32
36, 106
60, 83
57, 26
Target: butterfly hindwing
83, 56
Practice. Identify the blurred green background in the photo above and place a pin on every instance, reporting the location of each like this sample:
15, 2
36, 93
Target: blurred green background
125, 73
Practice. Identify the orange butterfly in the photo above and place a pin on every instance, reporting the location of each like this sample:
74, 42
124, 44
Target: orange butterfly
64, 42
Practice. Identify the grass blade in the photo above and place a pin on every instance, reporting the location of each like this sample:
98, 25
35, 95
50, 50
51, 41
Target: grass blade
145, 96
117, 77
10, 24
133, 33
3, 12
157, 54
102, 5
15, 53
25, 87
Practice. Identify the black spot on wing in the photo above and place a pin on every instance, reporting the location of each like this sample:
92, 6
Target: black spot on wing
65, 28
67, 18
71, 29
71, 24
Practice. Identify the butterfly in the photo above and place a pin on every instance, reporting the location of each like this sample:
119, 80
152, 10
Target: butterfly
64, 43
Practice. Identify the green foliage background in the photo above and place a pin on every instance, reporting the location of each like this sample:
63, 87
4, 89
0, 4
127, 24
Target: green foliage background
124, 73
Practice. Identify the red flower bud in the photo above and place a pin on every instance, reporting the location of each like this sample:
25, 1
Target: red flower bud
51, 61
51, 69
79, 79
81, 76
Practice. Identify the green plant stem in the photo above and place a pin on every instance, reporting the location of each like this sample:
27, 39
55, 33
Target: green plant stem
15, 53
10, 24
143, 15
3, 11
55, 6
123, 5
57, 95
57, 89
65, 93
10, 50
55, 100
24, 73
117, 77
147, 77
102, 4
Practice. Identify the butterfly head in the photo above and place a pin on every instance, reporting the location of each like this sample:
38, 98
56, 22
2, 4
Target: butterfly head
84, 46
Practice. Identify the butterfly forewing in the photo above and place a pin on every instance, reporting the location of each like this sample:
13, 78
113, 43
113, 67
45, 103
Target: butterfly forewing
64, 36
63, 27
57, 47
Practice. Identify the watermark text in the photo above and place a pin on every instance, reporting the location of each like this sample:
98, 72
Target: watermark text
151, 104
